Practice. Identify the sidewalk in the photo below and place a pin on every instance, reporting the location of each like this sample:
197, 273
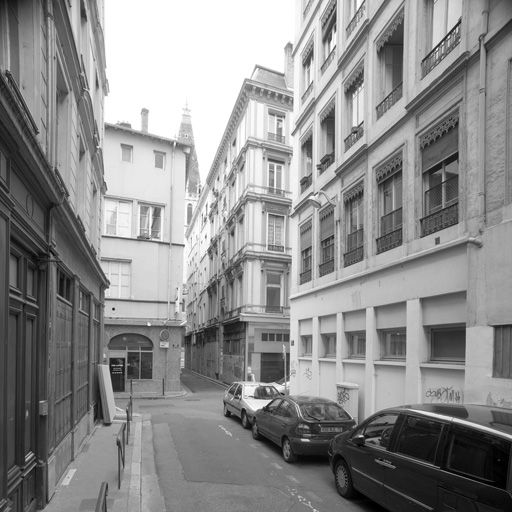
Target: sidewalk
96, 463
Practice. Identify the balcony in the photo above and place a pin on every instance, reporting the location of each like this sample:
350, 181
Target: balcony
328, 60
391, 229
355, 135
277, 137
276, 248
325, 162
275, 191
451, 40
389, 100
439, 220
355, 19
307, 92
305, 277
326, 268
305, 182
354, 248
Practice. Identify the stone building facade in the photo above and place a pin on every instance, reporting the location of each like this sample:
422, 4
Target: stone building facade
402, 202
52, 86
142, 255
239, 260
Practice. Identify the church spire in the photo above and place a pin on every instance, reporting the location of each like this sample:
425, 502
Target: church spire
186, 136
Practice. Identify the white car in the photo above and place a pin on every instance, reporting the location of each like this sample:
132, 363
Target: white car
243, 399
282, 385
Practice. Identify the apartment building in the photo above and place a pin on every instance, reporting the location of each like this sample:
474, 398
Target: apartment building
402, 202
142, 255
52, 85
239, 260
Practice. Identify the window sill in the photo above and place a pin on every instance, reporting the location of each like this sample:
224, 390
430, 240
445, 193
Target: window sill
327, 359
384, 362
354, 360
444, 366
307, 357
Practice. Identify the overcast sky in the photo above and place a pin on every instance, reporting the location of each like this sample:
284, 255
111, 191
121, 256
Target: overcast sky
164, 53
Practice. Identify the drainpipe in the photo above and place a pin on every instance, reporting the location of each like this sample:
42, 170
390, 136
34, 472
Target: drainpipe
482, 114
169, 263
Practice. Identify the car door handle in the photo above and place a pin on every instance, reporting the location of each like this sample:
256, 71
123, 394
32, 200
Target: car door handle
385, 463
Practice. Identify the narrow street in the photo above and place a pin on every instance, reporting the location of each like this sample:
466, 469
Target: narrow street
206, 462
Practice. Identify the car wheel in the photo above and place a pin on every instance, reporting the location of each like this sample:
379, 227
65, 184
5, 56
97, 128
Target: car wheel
343, 479
226, 412
245, 420
288, 454
255, 433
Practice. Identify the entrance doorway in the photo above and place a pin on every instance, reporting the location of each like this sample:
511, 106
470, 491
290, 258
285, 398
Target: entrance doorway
117, 372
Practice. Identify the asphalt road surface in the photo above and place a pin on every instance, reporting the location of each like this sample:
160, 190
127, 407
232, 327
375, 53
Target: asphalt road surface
205, 462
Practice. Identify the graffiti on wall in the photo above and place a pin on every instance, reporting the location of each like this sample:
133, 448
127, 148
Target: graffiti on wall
343, 395
308, 373
498, 401
445, 395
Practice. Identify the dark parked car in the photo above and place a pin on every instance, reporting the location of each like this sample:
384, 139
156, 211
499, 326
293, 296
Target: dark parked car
301, 425
437, 457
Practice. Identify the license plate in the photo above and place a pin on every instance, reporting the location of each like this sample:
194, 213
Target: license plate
331, 429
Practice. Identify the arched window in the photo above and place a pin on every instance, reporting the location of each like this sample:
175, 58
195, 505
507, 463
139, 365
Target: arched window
189, 213
139, 350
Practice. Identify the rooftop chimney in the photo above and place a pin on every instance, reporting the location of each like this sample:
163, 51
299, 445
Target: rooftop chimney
144, 120
288, 65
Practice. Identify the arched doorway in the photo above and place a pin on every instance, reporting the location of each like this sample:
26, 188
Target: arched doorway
130, 357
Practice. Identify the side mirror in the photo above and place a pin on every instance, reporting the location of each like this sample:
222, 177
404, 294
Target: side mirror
358, 440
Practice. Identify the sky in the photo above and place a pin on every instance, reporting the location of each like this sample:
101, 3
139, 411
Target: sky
164, 54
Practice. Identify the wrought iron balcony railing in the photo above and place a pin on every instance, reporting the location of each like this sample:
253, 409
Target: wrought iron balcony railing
438, 53
328, 60
325, 162
355, 19
351, 257
389, 240
307, 92
305, 276
355, 135
326, 268
277, 137
389, 100
441, 219
305, 182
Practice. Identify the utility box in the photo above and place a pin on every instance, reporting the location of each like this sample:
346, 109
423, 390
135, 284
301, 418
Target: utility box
347, 395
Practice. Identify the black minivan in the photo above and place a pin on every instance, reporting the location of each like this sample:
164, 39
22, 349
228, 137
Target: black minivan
428, 457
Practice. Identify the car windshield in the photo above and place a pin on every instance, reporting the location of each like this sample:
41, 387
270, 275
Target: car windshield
261, 392
323, 411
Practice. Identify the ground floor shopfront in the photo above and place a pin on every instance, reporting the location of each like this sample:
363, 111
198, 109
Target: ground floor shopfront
429, 329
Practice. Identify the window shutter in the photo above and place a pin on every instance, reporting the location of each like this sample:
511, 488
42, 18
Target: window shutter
305, 236
440, 142
327, 223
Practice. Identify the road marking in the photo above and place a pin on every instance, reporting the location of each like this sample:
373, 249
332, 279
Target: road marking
293, 479
276, 465
226, 431
302, 500
68, 477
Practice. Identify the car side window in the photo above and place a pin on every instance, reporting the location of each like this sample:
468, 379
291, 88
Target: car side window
478, 455
377, 432
419, 438
272, 406
238, 391
287, 410
231, 390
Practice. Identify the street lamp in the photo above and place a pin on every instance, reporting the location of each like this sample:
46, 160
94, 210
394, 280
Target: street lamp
314, 201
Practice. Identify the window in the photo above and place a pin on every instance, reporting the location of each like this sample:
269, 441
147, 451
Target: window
478, 455
13, 40
140, 364
377, 432
64, 286
419, 438
159, 159
448, 344
326, 265
390, 211
390, 50
356, 344
306, 163
118, 216
502, 357
126, 153
354, 228
276, 127
393, 344
273, 300
306, 345
150, 222
440, 164
275, 336
356, 11
328, 137
119, 275
354, 92
329, 345
275, 177
328, 34
275, 235
307, 70
189, 212
305, 252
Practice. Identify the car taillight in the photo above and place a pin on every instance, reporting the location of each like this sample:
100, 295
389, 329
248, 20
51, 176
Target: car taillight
303, 430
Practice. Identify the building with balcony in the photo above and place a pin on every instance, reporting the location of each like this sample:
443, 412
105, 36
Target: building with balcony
239, 260
52, 86
402, 202
143, 243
